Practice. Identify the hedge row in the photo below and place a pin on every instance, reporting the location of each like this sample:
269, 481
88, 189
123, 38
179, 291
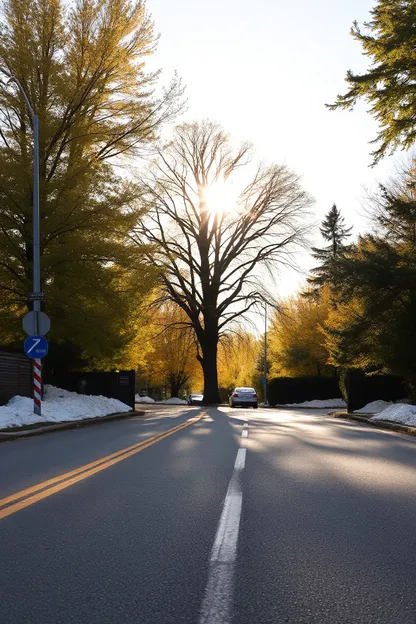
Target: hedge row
360, 389
284, 390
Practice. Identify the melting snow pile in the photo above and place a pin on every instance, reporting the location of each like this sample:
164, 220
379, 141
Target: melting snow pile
144, 399
323, 404
58, 406
373, 408
399, 413
174, 401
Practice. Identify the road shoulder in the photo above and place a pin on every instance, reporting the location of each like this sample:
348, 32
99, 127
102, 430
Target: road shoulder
73, 424
380, 424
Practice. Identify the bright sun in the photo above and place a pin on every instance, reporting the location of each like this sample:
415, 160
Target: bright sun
221, 197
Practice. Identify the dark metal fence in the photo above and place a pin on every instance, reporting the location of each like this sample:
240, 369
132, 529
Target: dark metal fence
15, 374
115, 385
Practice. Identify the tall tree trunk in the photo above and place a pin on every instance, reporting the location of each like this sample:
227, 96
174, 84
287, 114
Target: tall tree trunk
175, 386
209, 368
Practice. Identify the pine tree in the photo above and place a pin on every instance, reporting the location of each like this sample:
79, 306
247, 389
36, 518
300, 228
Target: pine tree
373, 325
389, 84
396, 213
334, 231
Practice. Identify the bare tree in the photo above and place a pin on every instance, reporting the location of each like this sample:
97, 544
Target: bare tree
209, 253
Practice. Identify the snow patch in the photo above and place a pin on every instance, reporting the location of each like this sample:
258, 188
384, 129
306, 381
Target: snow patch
374, 407
174, 401
58, 406
317, 403
145, 399
399, 413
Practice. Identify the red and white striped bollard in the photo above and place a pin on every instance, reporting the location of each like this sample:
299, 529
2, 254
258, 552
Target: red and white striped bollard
37, 387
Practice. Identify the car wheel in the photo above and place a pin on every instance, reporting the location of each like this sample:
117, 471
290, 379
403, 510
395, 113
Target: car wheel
255, 406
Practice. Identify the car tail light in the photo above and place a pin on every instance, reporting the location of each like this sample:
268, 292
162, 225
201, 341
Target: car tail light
254, 396
235, 395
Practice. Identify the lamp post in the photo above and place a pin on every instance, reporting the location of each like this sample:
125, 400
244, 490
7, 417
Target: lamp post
265, 401
37, 406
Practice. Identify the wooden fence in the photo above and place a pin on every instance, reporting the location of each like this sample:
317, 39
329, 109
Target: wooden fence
15, 374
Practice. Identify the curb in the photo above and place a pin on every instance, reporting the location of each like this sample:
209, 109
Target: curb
74, 424
380, 424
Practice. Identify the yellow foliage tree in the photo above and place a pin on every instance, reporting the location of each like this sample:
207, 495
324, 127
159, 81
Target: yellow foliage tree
237, 356
172, 359
296, 342
82, 67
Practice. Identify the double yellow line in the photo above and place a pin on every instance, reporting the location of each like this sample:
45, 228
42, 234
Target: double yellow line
15, 502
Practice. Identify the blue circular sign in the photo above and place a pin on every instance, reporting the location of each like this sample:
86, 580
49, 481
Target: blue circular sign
36, 346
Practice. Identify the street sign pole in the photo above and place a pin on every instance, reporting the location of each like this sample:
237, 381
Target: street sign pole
265, 401
37, 365
39, 324
37, 406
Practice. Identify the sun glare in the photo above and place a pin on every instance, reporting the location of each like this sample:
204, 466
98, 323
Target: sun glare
221, 197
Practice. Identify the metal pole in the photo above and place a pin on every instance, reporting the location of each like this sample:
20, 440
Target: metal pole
37, 396
37, 406
36, 226
265, 402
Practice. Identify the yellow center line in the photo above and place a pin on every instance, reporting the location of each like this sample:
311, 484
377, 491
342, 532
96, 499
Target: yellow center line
67, 475
51, 486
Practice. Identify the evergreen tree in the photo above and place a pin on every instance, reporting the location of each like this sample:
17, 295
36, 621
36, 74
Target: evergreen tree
390, 82
373, 324
396, 213
335, 232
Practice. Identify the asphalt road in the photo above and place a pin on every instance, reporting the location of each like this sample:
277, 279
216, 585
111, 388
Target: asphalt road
239, 517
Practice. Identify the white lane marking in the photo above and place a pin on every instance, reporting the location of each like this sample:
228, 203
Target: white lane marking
217, 603
240, 460
244, 433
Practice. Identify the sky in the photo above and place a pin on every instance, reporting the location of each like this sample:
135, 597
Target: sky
264, 70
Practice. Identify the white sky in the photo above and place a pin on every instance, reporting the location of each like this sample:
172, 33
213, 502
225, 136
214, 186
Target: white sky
264, 70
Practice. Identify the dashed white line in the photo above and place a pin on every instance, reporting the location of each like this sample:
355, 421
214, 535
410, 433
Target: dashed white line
217, 603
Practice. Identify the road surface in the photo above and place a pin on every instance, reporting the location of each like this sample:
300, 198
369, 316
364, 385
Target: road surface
216, 516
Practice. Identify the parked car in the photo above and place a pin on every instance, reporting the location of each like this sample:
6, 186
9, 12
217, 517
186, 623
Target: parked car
194, 398
244, 397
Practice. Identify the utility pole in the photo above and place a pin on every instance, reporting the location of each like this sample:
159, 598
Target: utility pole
265, 401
